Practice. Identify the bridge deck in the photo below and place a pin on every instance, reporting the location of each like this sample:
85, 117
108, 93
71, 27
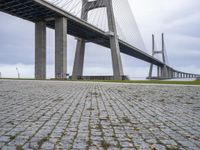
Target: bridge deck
35, 10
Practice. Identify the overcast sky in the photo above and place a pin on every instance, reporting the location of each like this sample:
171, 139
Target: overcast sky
179, 20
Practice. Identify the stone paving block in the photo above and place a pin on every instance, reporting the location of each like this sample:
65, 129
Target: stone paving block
84, 115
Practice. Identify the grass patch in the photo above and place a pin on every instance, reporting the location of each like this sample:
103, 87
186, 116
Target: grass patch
189, 103
19, 147
95, 94
90, 109
105, 145
99, 127
12, 137
10, 122
136, 129
126, 120
195, 82
161, 100
59, 99
43, 140
172, 148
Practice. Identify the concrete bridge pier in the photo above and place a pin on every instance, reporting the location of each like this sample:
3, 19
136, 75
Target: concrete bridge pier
80, 48
40, 50
60, 47
164, 73
79, 59
114, 43
158, 72
179, 75
171, 73
174, 74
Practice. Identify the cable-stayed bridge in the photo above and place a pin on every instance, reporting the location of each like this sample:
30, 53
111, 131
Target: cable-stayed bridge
96, 21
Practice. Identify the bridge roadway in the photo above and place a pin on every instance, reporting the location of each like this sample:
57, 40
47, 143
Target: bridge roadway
36, 10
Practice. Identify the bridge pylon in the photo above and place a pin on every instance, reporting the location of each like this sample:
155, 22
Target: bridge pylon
114, 43
162, 72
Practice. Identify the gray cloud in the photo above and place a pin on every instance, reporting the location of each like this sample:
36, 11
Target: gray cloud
180, 23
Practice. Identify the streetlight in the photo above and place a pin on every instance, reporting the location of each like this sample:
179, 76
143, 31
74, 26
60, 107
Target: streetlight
18, 73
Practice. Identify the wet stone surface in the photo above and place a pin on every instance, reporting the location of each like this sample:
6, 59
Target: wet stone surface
73, 115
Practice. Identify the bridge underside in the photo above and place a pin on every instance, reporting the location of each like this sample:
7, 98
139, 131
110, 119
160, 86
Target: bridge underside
38, 10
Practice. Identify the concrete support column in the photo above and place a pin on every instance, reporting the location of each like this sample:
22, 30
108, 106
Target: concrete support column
164, 72
170, 73
173, 74
114, 43
80, 48
40, 50
158, 72
79, 59
150, 71
60, 47
151, 65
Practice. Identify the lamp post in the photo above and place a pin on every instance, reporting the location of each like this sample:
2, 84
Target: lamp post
18, 73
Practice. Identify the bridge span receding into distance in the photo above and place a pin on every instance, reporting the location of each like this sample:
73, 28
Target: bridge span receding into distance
45, 14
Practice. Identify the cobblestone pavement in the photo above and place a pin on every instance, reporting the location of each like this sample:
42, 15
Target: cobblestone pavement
73, 115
